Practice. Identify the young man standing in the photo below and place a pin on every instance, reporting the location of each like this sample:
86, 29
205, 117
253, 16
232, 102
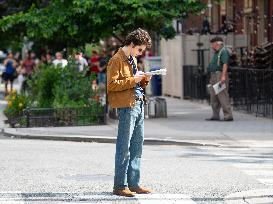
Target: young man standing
218, 69
125, 92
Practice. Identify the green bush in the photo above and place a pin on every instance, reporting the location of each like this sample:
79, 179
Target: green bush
66, 90
42, 84
56, 87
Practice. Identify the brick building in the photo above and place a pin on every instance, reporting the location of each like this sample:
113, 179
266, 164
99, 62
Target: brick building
251, 17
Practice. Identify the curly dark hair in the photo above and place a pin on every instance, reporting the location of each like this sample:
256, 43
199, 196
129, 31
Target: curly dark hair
138, 37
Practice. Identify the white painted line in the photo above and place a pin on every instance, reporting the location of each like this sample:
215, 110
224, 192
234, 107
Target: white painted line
266, 181
253, 159
253, 166
15, 198
144, 198
259, 172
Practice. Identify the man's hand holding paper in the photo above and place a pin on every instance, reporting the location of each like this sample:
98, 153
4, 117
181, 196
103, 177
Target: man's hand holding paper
218, 87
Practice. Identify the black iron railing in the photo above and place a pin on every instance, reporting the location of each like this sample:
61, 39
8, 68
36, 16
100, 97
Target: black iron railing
45, 117
195, 82
251, 90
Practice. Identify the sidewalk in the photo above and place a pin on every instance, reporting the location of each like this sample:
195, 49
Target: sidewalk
185, 125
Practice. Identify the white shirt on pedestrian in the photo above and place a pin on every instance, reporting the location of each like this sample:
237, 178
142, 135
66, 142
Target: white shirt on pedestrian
82, 63
62, 62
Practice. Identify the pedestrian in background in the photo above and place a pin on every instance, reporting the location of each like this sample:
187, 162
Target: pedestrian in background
218, 70
103, 60
10, 72
80, 61
29, 64
95, 62
46, 59
125, 92
59, 61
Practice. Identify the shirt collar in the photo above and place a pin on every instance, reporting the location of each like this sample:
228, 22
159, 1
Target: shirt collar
219, 49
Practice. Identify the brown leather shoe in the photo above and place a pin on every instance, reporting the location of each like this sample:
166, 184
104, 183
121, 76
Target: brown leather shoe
140, 190
123, 192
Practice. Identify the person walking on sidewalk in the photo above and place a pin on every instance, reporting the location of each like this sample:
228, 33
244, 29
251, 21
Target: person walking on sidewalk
125, 92
218, 70
10, 73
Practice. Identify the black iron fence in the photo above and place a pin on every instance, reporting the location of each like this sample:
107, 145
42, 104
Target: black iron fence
251, 90
195, 82
45, 117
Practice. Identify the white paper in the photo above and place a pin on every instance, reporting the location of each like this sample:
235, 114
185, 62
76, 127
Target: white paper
157, 72
139, 73
218, 87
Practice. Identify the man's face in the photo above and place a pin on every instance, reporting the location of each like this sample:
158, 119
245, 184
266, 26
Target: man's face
77, 56
59, 56
138, 50
216, 45
48, 57
32, 55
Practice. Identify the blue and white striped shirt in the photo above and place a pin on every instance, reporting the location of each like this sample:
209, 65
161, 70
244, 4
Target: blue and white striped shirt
139, 92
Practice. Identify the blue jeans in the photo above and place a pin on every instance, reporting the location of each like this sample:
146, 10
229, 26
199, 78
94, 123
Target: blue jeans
129, 146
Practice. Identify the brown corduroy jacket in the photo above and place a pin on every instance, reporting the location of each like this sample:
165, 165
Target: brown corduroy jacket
120, 81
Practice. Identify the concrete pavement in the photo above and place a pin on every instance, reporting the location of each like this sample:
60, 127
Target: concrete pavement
185, 125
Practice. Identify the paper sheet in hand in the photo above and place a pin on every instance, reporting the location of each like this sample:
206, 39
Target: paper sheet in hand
218, 87
157, 72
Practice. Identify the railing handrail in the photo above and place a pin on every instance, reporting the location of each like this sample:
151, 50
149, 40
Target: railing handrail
251, 69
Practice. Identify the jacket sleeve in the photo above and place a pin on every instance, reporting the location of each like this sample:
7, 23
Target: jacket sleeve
116, 82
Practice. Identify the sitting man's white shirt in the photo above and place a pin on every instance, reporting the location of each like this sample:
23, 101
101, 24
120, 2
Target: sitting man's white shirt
62, 62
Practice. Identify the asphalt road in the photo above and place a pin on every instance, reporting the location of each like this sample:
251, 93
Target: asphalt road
57, 171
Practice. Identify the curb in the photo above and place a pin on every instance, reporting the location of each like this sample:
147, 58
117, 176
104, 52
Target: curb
102, 139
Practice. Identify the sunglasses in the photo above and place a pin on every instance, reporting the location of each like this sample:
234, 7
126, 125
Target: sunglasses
140, 50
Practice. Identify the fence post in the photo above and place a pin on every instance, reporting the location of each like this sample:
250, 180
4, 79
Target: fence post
26, 113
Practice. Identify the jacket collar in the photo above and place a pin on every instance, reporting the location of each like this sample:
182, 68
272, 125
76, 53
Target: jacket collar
122, 55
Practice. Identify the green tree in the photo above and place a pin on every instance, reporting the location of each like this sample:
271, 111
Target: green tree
72, 23
12, 38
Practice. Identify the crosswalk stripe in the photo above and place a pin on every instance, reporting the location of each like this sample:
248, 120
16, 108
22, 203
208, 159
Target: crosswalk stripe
253, 166
250, 161
259, 172
245, 158
15, 198
266, 181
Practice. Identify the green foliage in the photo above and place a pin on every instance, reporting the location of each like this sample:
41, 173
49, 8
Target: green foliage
42, 85
56, 87
16, 104
66, 90
73, 23
73, 89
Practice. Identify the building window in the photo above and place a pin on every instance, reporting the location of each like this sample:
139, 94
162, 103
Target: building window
223, 8
248, 5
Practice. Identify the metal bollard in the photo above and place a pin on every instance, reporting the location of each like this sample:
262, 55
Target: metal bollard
151, 108
146, 111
